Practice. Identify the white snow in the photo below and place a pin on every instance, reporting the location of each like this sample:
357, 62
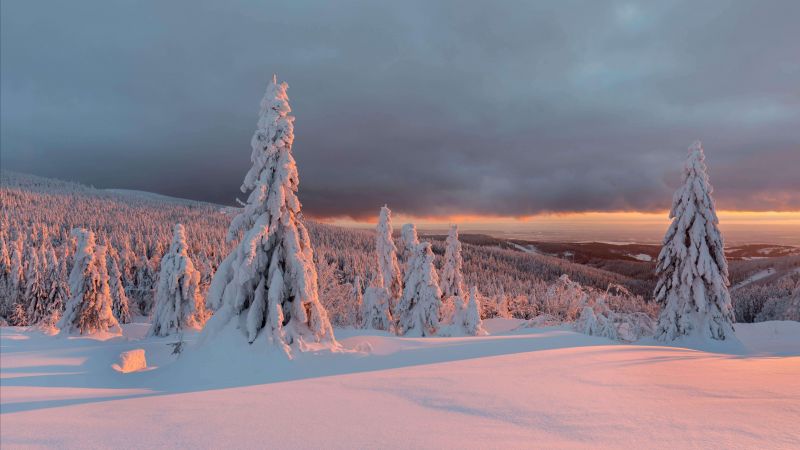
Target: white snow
641, 257
131, 361
542, 388
753, 278
527, 249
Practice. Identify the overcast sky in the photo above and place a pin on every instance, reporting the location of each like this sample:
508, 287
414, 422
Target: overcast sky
436, 108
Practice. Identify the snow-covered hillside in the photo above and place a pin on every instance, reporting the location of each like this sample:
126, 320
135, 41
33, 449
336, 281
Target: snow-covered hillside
530, 388
137, 228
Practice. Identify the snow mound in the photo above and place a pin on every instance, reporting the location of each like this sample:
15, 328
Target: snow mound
641, 257
131, 361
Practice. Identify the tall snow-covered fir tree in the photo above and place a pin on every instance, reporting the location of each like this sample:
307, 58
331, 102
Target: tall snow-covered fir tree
35, 296
120, 304
56, 285
178, 305
387, 257
692, 270
452, 278
89, 309
418, 309
267, 286
452, 281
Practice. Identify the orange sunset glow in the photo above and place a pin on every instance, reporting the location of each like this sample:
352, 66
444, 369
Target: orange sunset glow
738, 226
393, 225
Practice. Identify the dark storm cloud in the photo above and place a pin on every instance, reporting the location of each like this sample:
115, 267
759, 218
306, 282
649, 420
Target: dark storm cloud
505, 108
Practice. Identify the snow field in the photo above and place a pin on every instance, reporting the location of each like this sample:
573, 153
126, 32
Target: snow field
518, 388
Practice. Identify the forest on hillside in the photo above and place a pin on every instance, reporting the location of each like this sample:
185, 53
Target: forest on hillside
38, 214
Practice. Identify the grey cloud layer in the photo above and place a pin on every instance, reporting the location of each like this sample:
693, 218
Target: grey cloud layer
506, 108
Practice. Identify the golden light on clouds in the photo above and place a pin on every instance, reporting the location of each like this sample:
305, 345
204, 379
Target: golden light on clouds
737, 226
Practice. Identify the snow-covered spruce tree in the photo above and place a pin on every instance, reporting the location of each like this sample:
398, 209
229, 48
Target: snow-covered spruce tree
17, 317
36, 295
89, 309
357, 295
16, 277
692, 270
472, 315
5, 274
376, 313
387, 257
408, 236
268, 285
418, 310
178, 305
452, 281
466, 320
57, 286
120, 304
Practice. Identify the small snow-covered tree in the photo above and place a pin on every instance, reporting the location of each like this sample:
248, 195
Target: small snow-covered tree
357, 295
466, 320
692, 270
418, 310
16, 276
89, 309
5, 256
178, 305
597, 323
387, 257
268, 285
57, 286
35, 296
5, 275
18, 317
120, 303
472, 315
408, 235
376, 313
452, 281
142, 289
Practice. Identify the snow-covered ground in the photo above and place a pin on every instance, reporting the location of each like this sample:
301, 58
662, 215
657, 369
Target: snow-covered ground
753, 278
641, 257
526, 388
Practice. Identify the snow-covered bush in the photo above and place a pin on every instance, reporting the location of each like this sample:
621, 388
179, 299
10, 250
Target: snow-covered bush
338, 296
596, 323
589, 311
781, 308
793, 310
131, 361
692, 269
376, 309
565, 299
